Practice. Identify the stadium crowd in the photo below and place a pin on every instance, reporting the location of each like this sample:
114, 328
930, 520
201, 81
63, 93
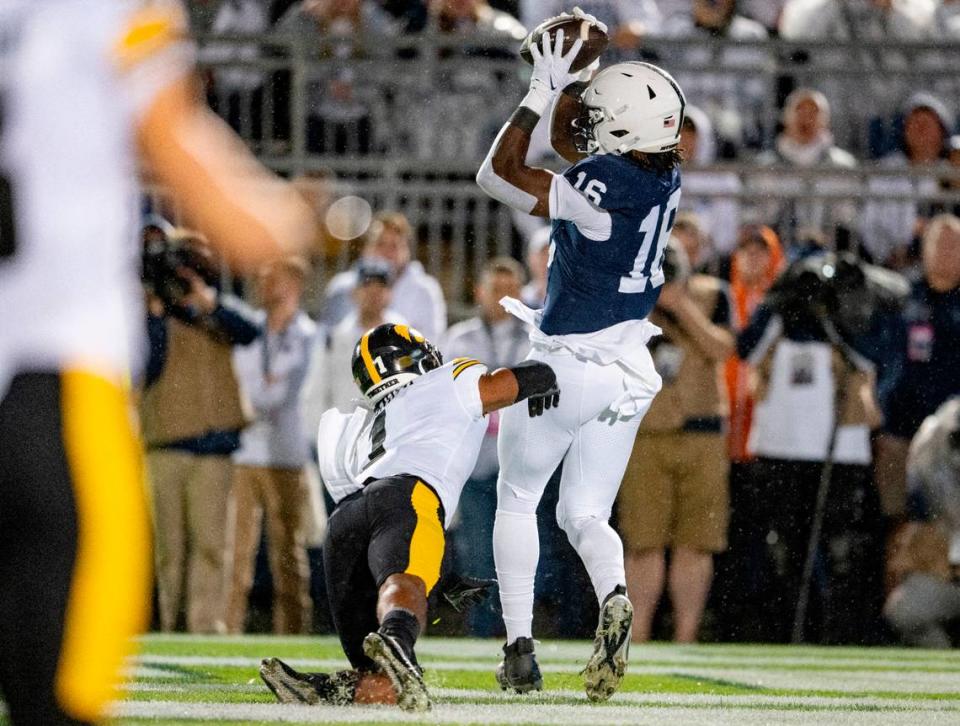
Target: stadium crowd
789, 363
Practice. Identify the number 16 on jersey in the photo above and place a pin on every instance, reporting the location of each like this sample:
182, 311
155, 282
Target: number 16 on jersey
648, 265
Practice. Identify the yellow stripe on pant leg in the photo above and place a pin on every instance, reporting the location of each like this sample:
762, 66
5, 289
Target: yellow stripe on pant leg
427, 543
109, 594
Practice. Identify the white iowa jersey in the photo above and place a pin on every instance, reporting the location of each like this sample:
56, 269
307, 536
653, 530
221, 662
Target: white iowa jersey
431, 429
74, 77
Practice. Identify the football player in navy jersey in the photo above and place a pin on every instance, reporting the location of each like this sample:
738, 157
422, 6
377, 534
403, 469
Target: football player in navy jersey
612, 212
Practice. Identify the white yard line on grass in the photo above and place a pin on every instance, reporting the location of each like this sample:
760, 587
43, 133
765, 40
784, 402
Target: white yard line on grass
552, 696
906, 681
513, 713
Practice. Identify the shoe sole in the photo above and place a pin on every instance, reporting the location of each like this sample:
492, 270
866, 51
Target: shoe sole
287, 688
411, 691
611, 646
505, 685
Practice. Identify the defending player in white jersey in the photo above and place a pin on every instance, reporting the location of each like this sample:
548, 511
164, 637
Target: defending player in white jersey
612, 213
89, 89
396, 468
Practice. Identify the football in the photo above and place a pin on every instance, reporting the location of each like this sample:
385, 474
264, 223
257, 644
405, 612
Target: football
595, 41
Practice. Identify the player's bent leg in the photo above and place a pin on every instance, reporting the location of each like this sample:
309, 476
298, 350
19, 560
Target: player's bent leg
405, 554
591, 479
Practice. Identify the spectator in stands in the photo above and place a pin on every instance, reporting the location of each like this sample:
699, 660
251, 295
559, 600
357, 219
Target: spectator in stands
946, 21
689, 232
534, 293
734, 101
857, 19
416, 295
236, 93
268, 476
337, 24
851, 21
329, 382
474, 16
340, 112
674, 492
452, 115
628, 21
720, 216
891, 229
498, 339
807, 141
754, 266
931, 356
802, 379
926, 564
192, 412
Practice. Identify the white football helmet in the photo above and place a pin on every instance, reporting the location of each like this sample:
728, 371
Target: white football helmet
631, 107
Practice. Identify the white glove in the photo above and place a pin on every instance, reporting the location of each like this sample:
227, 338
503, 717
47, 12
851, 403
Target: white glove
551, 72
578, 13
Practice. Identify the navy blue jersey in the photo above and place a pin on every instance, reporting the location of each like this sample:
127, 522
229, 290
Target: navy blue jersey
611, 223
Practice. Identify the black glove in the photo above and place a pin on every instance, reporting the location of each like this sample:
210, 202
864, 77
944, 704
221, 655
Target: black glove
465, 592
549, 399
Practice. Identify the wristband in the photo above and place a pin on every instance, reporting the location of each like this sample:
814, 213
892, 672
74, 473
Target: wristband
525, 119
538, 99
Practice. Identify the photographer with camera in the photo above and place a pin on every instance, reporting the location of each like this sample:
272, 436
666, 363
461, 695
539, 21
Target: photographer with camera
674, 492
191, 413
809, 342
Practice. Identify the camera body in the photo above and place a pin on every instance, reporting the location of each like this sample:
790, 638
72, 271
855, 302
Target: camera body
837, 288
167, 261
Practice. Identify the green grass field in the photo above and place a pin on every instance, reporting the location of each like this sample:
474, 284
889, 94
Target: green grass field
190, 680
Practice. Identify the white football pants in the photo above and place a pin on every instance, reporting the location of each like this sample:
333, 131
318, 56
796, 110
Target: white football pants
594, 445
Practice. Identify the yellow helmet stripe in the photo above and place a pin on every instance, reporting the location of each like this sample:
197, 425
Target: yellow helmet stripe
367, 360
403, 331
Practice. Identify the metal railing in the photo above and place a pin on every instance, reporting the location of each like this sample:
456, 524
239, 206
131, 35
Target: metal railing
443, 97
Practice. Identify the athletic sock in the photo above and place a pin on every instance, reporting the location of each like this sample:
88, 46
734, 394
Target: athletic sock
402, 626
601, 550
516, 551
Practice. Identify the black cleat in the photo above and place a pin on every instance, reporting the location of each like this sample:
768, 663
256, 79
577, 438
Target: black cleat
402, 670
291, 686
518, 669
611, 647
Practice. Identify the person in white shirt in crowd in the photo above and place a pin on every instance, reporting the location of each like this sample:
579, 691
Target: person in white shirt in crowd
417, 295
806, 141
268, 481
720, 216
629, 21
329, 382
891, 230
501, 340
538, 261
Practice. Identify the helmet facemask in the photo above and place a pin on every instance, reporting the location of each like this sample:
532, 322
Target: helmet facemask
584, 129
